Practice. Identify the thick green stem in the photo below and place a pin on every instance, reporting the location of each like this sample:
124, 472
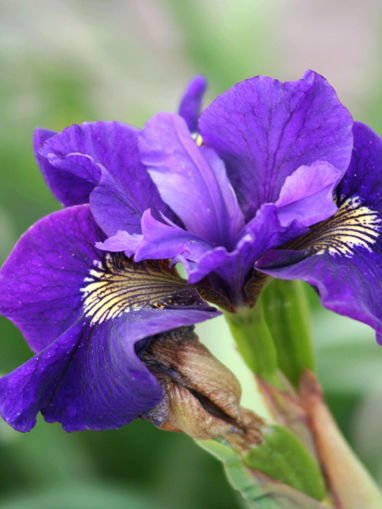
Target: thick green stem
254, 341
287, 314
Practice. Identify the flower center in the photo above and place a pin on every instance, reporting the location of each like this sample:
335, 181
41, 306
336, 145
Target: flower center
354, 225
118, 285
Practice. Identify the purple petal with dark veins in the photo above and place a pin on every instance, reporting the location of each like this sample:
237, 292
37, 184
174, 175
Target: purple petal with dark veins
78, 157
190, 104
190, 179
342, 256
364, 176
40, 281
91, 377
264, 130
347, 286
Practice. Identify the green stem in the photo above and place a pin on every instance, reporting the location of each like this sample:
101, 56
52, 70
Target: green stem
254, 342
287, 313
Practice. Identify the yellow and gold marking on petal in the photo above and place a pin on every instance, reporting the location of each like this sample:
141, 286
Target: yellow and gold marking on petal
118, 285
354, 225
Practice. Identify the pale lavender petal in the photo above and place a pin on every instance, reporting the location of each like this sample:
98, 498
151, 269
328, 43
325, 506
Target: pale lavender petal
161, 241
307, 194
121, 242
191, 180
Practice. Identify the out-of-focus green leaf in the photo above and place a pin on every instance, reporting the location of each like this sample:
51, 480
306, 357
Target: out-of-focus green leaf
348, 357
83, 496
224, 39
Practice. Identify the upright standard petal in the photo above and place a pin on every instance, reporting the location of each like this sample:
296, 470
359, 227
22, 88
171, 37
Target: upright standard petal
79, 158
86, 373
342, 256
190, 179
264, 130
191, 102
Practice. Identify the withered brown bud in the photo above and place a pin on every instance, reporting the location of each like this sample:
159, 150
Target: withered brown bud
202, 396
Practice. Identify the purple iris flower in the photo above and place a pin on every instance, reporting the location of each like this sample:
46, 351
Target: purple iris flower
243, 184
241, 190
83, 312
256, 169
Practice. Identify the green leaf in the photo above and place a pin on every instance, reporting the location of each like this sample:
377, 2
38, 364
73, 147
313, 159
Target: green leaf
80, 496
283, 457
257, 489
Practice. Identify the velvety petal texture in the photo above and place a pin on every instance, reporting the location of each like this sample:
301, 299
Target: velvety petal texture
83, 310
40, 281
265, 129
342, 256
99, 163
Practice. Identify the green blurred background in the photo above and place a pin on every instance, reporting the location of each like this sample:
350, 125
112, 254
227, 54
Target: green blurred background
64, 62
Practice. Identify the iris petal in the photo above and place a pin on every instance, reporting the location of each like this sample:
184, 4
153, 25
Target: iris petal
264, 130
40, 281
190, 104
342, 256
90, 377
84, 311
191, 180
79, 158
307, 194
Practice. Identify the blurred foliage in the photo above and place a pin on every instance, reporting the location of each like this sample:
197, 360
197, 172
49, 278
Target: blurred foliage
66, 62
